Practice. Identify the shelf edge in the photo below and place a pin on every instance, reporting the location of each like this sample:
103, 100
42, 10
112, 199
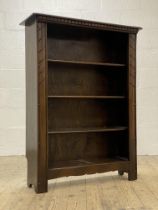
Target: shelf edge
90, 130
86, 63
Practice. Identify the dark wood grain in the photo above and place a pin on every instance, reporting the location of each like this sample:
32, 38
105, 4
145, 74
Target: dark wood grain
42, 107
79, 22
90, 130
74, 114
132, 108
86, 46
86, 145
86, 97
80, 80
80, 98
87, 63
80, 168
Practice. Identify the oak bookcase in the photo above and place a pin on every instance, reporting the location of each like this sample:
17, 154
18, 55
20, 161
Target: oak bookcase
80, 98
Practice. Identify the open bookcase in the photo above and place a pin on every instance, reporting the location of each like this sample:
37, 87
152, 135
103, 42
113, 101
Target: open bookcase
80, 81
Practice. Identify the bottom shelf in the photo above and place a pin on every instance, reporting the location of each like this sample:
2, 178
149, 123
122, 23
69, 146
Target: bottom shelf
86, 166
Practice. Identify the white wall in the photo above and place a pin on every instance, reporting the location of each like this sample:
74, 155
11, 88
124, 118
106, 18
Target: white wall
142, 13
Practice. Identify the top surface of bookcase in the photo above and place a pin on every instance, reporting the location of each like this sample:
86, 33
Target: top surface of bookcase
78, 22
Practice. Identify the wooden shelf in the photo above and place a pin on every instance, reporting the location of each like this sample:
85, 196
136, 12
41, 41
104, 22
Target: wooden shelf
87, 63
83, 162
90, 165
90, 130
86, 97
84, 121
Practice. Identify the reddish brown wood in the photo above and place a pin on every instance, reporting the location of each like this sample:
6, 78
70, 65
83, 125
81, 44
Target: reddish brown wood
81, 100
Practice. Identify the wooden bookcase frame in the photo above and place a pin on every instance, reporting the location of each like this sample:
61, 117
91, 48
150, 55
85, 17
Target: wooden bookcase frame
80, 98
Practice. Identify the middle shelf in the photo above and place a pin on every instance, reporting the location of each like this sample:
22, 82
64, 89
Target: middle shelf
90, 63
86, 81
86, 97
90, 130
79, 116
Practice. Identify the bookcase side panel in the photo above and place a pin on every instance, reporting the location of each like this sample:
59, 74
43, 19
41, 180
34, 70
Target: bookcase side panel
31, 104
132, 108
42, 106
36, 122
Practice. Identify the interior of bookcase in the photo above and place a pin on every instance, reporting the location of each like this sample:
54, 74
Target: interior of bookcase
87, 96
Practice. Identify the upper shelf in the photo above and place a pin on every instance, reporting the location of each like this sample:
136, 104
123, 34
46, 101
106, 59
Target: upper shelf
87, 63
